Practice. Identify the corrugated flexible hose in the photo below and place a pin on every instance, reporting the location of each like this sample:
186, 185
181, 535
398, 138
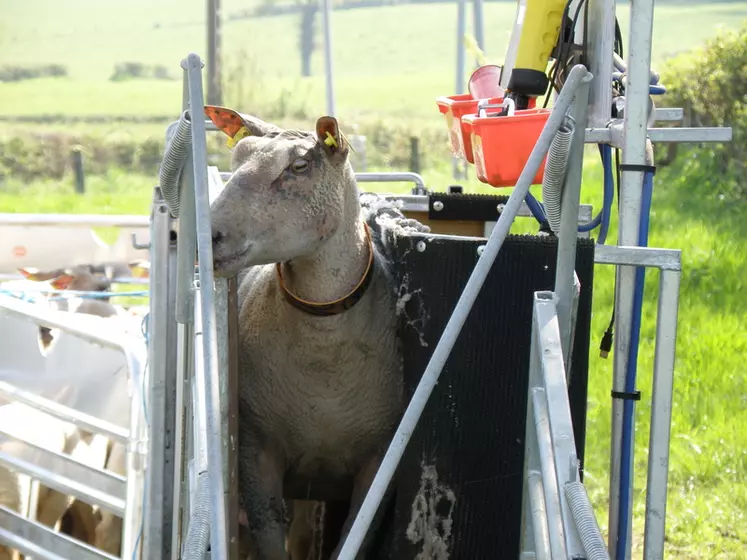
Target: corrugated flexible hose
198, 533
555, 168
586, 523
173, 162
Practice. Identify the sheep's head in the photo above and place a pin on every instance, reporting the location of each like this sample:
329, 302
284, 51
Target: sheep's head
289, 192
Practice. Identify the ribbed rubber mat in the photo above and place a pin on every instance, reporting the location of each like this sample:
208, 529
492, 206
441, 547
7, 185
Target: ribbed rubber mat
459, 485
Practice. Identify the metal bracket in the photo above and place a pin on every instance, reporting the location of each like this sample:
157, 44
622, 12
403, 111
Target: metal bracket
136, 245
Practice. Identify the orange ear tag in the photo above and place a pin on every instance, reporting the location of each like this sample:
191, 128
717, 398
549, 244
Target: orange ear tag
243, 132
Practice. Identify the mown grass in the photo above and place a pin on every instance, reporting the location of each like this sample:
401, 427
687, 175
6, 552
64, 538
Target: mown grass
708, 486
395, 67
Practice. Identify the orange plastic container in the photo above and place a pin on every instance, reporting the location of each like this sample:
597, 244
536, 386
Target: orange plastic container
501, 145
453, 108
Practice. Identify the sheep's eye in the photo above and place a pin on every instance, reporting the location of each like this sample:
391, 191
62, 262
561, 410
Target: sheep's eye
300, 165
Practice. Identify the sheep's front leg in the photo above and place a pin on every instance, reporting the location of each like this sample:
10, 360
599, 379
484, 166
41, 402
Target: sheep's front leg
261, 470
362, 483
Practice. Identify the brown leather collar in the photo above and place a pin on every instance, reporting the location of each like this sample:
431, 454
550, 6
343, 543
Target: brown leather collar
326, 309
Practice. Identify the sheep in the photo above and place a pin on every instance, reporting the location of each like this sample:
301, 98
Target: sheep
320, 382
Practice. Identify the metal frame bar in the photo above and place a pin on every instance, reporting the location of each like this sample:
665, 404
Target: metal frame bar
218, 525
135, 437
565, 274
66, 474
200, 392
34, 539
668, 261
74, 220
550, 448
630, 133
161, 383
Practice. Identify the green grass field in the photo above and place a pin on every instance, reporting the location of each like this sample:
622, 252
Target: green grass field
392, 62
396, 66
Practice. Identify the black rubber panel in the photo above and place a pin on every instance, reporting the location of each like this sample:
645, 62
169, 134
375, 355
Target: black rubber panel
457, 206
473, 427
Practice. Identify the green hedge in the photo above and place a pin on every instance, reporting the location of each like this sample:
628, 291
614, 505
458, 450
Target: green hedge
43, 155
710, 84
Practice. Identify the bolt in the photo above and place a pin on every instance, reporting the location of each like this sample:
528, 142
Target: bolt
438, 206
420, 246
480, 250
501, 207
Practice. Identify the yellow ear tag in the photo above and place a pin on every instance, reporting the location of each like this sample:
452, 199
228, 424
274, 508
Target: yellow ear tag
330, 140
243, 132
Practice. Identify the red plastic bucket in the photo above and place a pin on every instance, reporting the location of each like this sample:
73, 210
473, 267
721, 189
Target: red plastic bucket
501, 145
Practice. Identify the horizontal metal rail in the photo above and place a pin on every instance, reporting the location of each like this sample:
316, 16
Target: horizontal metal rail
80, 419
34, 539
394, 177
74, 220
614, 132
65, 473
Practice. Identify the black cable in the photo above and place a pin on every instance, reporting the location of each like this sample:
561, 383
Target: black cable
562, 39
606, 345
565, 43
585, 47
618, 39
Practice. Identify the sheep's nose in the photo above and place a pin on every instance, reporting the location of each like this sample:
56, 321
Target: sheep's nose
217, 236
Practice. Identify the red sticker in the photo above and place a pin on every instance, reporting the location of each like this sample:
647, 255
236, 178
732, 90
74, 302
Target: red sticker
19, 251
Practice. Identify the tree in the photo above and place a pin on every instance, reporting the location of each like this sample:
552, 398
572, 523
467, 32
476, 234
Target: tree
306, 34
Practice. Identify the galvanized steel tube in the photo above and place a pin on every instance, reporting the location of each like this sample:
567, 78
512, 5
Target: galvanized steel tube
634, 153
538, 510
218, 525
661, 415
554, 515
568, 231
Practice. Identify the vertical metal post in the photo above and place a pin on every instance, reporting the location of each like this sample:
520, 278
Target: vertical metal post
214, 89
218, 524
224, 304
327, 19
568, 233
634, 150
477, 15
661, 415
161, 361
600, 45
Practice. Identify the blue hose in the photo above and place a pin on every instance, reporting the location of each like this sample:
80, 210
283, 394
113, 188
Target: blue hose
603, 218
630, 374
536, 208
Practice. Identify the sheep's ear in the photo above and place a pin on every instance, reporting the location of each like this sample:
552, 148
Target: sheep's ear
329, 136
237, 125
62, 282
37, 275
